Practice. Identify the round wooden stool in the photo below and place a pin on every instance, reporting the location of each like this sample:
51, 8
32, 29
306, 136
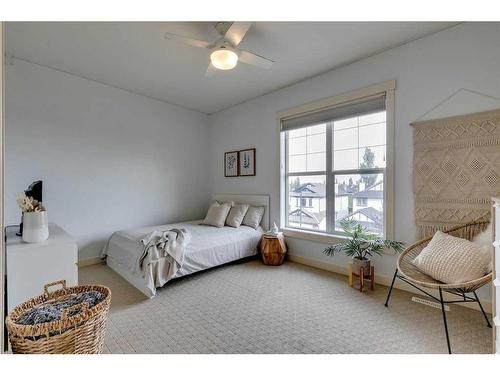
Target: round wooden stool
273, 249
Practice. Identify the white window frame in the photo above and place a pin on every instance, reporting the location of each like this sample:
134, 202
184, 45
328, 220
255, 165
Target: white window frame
385, 88
2, 178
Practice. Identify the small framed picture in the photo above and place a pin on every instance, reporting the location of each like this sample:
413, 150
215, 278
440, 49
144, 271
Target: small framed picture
247, 162
231, 164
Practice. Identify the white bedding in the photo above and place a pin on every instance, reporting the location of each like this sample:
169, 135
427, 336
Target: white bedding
209, 246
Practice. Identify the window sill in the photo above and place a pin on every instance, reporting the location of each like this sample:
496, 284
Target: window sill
325, 238
312, 236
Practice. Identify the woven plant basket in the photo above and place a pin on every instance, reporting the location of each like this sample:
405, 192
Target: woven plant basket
82, 333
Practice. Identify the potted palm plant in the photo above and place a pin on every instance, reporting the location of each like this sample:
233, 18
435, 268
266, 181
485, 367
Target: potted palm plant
361, 245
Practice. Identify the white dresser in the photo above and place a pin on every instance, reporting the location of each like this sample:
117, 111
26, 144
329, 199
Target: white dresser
496, 274
30, 266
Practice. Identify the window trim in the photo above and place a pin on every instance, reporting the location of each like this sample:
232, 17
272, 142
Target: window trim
386, 88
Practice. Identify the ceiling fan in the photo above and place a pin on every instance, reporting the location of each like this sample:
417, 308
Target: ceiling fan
224, 54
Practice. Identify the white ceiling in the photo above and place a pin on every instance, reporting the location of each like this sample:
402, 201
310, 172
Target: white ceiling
135, 56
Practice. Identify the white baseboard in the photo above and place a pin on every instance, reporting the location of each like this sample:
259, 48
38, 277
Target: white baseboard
89, 261
381, 280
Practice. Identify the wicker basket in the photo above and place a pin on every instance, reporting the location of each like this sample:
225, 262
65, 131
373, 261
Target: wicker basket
82, 333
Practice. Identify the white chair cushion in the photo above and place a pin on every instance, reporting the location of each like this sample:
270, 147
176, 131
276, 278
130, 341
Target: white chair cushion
236, 215
485, 238
253, 217
217, 213
453, 260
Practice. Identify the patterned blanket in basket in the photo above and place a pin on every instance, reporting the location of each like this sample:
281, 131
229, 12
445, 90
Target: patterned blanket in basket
51, 311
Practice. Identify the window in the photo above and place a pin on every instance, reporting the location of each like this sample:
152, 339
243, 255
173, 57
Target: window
362, 202
335, 160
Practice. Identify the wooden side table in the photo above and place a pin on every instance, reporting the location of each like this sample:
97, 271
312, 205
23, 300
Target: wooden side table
364, 275
273, 249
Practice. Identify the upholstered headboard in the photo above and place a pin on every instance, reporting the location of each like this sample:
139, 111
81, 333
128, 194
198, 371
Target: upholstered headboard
254, 200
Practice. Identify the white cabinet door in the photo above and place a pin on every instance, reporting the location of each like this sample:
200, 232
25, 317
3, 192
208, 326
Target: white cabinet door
496, 273
31, 266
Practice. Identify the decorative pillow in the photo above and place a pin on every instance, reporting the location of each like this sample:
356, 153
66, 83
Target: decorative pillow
253, 216
231, 203
453, 260
236, 215
216, 215
485, 238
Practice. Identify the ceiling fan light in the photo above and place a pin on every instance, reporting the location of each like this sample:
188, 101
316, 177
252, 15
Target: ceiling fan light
224, 58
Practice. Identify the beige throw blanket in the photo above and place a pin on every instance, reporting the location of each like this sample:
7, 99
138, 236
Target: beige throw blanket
162, 257
456, 170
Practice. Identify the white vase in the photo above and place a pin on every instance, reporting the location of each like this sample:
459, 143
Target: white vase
274, 229
35, 226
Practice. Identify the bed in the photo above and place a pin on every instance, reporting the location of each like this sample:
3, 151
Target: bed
209, 246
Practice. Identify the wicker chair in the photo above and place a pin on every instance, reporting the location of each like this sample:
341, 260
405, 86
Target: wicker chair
411, 275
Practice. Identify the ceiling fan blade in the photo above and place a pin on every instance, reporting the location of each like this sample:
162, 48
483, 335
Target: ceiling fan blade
210, 70
187, 40
237, 32
254, 59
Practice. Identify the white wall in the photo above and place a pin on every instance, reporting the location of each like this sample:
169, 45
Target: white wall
109, 159
427, 71
112, 160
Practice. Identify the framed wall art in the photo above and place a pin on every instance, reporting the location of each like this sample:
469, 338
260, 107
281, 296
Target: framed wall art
247, 162
231, 164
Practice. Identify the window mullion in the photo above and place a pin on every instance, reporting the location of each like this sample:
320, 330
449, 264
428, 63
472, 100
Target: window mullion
287, 187
330, 181
384, 204
320, 173
360, 171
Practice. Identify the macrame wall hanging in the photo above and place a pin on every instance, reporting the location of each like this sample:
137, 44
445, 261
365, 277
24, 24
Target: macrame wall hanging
456, 170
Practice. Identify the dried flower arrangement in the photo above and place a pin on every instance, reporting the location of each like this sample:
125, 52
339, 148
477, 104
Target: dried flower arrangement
28, 204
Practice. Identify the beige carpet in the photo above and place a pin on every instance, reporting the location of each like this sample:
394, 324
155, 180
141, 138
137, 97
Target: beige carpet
252, 308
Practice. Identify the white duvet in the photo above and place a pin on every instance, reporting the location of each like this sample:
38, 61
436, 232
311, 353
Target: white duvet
209, 246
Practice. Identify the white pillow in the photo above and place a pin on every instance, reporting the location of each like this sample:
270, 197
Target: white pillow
253, 216
453, 260
236, 215
216, 215
231, 203
485, 238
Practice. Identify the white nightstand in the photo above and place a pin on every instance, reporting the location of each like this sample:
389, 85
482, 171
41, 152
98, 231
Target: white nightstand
30, 266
